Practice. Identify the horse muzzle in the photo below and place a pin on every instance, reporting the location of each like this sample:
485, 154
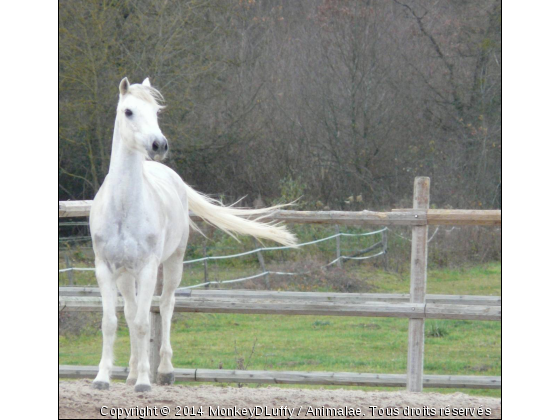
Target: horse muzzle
158, 149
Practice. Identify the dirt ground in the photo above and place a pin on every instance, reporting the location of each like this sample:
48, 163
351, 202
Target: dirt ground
78, 400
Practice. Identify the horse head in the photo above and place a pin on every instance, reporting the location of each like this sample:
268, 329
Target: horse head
137, 117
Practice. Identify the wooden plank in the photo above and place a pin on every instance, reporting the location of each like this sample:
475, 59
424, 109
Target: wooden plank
74, 208
473, 312
254, 306
460, 381
465, 217
118, 372
295, 377
297, 307
395, 217
344, 297
465, 300
418, 276
342, 378
364, 218
310, 296
461, 217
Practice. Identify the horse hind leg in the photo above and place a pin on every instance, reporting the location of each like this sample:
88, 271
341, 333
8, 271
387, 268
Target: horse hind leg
108, 291
172, 273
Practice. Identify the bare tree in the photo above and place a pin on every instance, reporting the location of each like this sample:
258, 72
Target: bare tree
335, 100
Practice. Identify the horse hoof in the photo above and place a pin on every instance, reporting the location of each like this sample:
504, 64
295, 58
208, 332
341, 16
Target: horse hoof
100, 385
131, 381
166, 378
142, 388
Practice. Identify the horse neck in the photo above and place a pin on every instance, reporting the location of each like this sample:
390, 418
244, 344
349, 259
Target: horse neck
125, 179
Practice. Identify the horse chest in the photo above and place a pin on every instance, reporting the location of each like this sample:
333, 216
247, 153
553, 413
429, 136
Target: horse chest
126, 242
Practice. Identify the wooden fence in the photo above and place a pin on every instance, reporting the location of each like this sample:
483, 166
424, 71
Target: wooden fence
416, 306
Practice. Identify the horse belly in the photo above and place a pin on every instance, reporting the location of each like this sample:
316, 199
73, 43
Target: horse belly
175, 238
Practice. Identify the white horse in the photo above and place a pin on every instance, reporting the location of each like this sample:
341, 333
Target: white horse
140, 219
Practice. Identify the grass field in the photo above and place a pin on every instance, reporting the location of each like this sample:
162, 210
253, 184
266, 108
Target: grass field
312, 343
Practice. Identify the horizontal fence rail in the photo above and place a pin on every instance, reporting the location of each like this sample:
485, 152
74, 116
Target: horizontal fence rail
460, 217
407, 217
78, 291
291, 377
301, 307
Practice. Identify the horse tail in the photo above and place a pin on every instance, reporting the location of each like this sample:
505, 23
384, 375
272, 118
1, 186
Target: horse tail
233, 220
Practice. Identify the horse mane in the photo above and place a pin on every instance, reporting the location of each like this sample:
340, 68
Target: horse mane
148, 94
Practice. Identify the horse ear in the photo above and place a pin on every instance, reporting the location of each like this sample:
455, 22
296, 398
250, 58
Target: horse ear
146, 82
123, 87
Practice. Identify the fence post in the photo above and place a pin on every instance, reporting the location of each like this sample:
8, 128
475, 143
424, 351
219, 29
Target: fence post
261, 262
205, 267
385, 243
418, 274
339, 260
155, 330
69, 273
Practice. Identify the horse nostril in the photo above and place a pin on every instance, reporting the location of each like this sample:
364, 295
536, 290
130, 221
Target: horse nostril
155, 146
166, 147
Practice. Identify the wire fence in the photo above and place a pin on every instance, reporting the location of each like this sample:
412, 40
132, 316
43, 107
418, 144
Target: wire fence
339, 258
282, 273
278, 248
217, 262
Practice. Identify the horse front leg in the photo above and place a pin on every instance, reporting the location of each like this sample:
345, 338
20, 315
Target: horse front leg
108, 291
146, 285
172, 273
127, 286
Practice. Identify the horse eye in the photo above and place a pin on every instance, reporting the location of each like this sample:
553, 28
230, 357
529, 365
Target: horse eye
127, 112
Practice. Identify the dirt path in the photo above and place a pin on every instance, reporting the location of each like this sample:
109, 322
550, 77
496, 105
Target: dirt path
78, 400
